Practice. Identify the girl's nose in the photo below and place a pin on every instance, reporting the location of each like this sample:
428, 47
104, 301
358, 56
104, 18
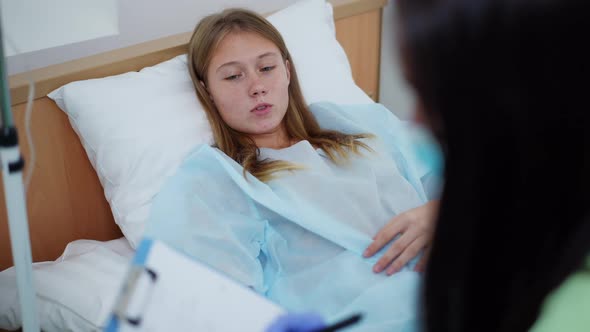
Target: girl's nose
257, 89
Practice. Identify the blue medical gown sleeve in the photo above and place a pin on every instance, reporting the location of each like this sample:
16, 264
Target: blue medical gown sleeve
393, 133
202, 213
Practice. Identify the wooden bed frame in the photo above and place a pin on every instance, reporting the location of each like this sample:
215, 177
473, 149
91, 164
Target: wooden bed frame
65, 200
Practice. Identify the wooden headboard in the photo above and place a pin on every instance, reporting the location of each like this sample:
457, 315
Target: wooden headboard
65, 201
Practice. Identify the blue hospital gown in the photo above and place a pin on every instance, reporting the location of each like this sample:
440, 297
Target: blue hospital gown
299, 238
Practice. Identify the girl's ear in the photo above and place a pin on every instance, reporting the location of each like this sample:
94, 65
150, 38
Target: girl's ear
208, 93
288, 66
204, 86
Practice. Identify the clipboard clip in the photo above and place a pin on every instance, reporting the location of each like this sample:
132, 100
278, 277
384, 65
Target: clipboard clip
135, 294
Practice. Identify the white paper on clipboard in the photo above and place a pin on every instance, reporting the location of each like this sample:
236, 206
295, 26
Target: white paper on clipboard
167, 291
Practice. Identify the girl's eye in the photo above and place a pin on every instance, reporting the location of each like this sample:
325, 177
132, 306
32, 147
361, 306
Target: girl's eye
267, 68
233, 77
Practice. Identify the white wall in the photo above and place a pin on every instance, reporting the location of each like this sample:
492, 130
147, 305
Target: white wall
394, 93
139, 21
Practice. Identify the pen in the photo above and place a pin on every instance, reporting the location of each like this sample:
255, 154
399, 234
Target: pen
341, 324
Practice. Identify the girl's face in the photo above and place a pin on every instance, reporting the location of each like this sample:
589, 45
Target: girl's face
248, 81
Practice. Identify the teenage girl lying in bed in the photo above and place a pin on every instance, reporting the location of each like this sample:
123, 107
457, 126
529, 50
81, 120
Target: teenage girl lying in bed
300, 204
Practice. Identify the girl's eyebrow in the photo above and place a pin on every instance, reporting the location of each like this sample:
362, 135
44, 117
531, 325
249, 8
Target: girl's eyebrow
274, 54
263, 55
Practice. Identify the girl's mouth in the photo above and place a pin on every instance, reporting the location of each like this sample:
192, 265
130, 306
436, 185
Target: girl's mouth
261, 109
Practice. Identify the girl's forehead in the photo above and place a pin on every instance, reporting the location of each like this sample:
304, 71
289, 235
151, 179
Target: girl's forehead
240, 46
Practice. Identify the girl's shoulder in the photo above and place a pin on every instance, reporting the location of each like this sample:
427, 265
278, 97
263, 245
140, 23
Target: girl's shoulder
373, 118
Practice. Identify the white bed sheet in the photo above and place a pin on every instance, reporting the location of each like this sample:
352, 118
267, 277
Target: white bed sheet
76, 292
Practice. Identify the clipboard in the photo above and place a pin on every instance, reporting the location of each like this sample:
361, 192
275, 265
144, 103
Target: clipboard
165, 290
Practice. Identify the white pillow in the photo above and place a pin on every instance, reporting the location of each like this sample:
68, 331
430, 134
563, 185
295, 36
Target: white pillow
137, 127
322, 66
76, 292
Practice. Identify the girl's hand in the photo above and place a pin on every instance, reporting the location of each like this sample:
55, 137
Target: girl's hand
416, 227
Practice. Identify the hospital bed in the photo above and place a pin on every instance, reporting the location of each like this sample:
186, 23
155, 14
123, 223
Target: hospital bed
66, 200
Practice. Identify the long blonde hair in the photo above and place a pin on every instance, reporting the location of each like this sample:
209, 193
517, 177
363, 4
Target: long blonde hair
300, 123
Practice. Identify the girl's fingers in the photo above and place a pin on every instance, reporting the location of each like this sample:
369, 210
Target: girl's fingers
410, 252
387, 233
398, 247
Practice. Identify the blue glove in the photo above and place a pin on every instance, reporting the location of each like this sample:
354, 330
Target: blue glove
297, 322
